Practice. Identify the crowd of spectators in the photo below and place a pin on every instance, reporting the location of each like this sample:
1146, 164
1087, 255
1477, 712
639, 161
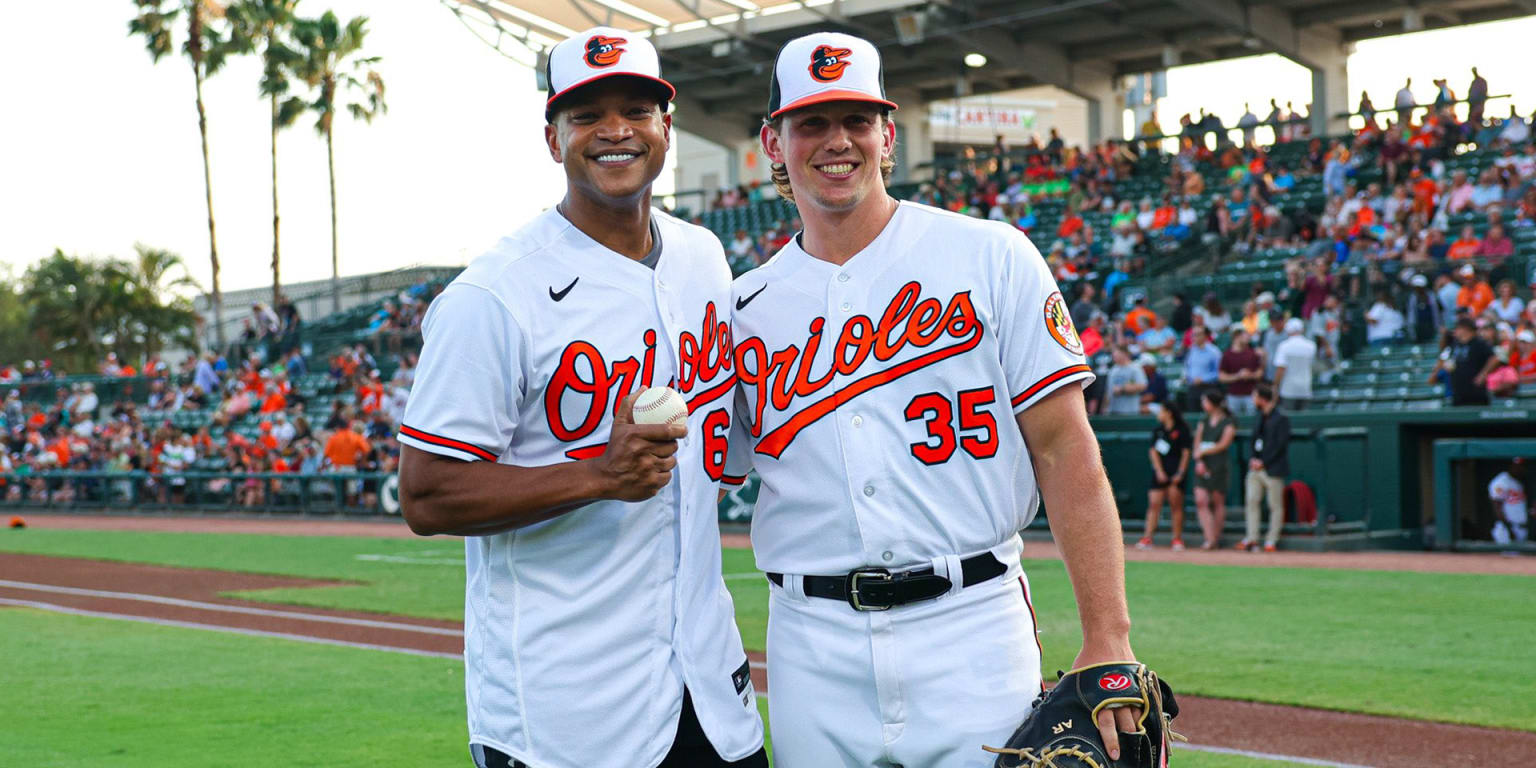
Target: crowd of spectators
243, 421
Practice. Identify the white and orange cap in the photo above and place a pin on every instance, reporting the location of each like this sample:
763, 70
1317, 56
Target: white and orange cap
826, 66
598, 53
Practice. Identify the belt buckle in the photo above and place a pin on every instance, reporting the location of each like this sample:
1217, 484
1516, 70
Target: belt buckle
865, 574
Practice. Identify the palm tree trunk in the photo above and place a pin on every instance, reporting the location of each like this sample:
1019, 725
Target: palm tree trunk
330, 162
276, 252
213, 243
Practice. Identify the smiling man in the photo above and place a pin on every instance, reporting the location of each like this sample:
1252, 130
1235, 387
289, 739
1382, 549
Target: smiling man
909, 389
597, 627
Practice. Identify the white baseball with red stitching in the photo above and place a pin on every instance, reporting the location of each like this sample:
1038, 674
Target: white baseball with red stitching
660, 405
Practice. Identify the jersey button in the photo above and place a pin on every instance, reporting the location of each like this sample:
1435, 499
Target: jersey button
869, 490
846, 306
842, 277
886, 556
858, 421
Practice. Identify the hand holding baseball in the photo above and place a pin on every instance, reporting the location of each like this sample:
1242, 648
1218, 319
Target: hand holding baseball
639, 460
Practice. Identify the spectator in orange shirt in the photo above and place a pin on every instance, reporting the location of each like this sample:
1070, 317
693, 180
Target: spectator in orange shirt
370, 396
346, 447
266, 439
1140, 318
1466, 246
1424, 189
59, 447
1475, 292
1524, 356
274, 401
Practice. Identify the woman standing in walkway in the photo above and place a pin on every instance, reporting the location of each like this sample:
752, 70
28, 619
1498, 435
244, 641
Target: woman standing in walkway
1213, 465
1169, 455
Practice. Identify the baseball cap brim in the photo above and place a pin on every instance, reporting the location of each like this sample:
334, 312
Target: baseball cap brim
836, 94
666, 88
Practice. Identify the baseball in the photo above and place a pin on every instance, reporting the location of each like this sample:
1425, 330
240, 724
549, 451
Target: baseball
660, 405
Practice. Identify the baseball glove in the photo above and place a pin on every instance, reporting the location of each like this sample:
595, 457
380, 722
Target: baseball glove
1061, 729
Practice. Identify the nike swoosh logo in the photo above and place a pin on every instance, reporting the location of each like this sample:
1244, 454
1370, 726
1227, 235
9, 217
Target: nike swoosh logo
561, 294
742, 302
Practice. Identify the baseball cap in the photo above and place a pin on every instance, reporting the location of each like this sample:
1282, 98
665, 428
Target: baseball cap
598, 53
1526, 336
1467, 270
1146, 359
826, 66
1294, 325
1419, 281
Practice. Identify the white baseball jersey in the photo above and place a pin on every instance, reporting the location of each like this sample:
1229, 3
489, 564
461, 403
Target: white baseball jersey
581, 631
1508, 496
876, 399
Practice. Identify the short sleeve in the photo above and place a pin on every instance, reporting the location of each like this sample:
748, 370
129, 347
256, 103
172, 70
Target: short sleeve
465, 399
738, 454
1038, 344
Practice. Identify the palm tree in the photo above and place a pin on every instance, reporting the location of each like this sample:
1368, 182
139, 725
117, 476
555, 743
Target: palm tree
151, 270
262, 25
329, 65
206, 47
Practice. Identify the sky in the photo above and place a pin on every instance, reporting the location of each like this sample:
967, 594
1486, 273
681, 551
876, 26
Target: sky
99, 147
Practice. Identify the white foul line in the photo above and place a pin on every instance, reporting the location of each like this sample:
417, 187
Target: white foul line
230, 630
1268, 756
407, 560
250, 611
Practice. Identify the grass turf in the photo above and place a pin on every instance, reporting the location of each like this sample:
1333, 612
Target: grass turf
181, 697
1429, 646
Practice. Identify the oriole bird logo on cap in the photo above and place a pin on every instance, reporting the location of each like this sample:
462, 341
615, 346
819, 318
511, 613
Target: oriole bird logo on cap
604, 51
828, 63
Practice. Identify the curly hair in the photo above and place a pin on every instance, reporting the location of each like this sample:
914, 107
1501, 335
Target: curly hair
780, 174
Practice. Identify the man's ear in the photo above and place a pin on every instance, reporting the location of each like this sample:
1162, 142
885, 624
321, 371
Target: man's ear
552, 139
772, 144
666, 125
888, 142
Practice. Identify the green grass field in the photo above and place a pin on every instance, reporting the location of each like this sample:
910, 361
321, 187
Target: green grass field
1432, 646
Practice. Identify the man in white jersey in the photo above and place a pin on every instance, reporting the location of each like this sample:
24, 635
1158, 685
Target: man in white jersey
893, 360
597, 627
1510, 504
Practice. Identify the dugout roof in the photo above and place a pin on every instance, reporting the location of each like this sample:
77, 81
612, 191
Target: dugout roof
718, 52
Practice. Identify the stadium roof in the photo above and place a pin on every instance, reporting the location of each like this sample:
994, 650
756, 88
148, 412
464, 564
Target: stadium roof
718, 51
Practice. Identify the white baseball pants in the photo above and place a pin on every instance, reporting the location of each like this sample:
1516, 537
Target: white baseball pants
923, 685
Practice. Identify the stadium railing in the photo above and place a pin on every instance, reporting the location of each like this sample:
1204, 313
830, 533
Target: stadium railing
285, 492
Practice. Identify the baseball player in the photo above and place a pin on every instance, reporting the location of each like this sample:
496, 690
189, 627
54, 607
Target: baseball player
597, 628
893, 361
1507, 493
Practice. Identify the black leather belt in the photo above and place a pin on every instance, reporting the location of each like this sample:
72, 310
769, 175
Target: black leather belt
877, 589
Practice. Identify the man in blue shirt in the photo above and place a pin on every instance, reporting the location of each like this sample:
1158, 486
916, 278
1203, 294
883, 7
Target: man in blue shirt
1158, 338
1202, 365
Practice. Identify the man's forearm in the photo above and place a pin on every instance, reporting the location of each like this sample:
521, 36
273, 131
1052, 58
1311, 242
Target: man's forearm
446, 496
1084, 521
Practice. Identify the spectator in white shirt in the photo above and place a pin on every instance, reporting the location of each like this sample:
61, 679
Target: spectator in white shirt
1507, 307
1404, 104
1294, 359
1383, 322
1515, 131
741, 246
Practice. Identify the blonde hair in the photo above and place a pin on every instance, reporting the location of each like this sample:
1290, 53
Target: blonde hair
780, 173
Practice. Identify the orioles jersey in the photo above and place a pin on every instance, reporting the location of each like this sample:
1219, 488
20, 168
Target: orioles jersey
876, 399
581, 632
